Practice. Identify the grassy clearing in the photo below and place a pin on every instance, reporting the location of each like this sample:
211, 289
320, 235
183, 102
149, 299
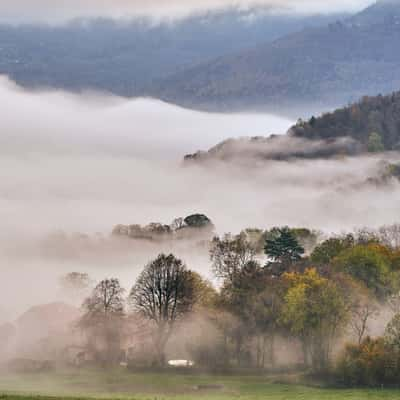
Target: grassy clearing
87, 384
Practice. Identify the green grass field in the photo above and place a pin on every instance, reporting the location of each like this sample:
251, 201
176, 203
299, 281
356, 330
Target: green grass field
124, 385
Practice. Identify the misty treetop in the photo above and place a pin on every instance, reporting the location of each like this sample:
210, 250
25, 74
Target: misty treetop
106, 303
193, 226
283, 247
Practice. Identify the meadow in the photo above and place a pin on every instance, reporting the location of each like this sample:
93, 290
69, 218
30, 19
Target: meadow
119, 384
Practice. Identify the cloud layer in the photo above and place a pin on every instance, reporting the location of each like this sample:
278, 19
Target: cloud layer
54, 11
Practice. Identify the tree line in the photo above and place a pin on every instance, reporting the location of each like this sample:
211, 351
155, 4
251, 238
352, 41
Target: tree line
317, 295
373, 121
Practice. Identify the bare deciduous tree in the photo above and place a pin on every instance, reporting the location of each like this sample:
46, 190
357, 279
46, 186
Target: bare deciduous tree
163, 293
230, 254
361, 315
177, 223
104, 311
106, 299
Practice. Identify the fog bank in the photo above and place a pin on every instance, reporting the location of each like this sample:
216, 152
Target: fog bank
86, 163
57, 122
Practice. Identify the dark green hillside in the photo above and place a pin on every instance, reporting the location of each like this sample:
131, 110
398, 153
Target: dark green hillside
373, 121
370, 125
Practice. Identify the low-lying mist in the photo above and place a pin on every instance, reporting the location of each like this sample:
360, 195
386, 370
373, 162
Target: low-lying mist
84, 163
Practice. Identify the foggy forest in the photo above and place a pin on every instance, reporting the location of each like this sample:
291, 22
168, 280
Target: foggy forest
199, 199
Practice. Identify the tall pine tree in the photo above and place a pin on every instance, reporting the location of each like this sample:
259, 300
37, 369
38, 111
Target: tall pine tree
283, 248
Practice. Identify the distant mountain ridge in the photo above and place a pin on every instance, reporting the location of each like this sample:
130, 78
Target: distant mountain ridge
380, 12
330, 65
126, 57
222, 61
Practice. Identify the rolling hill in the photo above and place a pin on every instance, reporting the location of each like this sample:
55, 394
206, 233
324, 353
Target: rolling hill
371, 125
316, 67
125, 57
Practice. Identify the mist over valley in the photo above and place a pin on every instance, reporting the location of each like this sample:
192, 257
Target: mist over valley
199, 199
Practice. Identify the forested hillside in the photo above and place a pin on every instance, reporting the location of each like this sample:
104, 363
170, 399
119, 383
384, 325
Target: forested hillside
226, 60
318, 67
124, 57
373, 121
371, 125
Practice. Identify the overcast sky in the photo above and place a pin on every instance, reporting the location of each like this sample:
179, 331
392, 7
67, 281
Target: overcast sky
54, 11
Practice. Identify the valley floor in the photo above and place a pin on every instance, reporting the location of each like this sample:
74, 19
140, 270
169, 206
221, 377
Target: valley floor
95, 384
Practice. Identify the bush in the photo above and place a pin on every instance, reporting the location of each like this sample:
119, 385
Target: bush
372, 363
392, 332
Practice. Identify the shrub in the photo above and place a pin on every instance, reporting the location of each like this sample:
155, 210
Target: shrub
372, 363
